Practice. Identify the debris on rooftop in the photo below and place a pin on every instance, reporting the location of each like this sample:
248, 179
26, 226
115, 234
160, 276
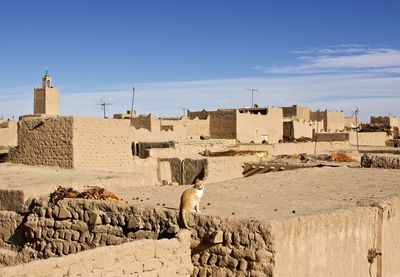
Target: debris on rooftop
92, 193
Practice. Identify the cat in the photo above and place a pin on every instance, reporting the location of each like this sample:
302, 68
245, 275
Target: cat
190, 201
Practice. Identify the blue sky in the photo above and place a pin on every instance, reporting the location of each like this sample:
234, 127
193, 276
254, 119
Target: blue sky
195, 54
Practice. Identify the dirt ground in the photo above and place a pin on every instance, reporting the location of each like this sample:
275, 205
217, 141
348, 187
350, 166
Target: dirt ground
272, 195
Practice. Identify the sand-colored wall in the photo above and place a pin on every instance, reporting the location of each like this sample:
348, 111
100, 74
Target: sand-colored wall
164, 258
326, 245
44, 141
258, 127
390, 218
351, 122
222, 122
298, 128
333, 121
298, 148
46, 101
226, 168
369, 138
105, 144
197, 127
8, 133
297, 112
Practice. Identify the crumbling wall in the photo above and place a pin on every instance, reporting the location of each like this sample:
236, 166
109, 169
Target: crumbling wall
44, 141
9, 221
186, 171
102, 144
142, 121
225, 246
331, 137
141, 149
193, 169
8, 133
333, 121
296, 112
380, 161
166, 257
222, 122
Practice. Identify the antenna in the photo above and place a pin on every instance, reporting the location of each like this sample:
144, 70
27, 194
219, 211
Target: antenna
133, 100
253, 90
103, 106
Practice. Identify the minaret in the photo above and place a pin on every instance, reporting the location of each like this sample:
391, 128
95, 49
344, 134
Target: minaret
47, 98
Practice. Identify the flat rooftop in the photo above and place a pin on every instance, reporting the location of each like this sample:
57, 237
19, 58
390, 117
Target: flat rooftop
284, 194
275, 195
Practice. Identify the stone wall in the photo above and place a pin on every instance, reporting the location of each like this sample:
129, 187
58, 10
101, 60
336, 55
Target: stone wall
8, 133
165, 257
229, 247
380, 161
44, 141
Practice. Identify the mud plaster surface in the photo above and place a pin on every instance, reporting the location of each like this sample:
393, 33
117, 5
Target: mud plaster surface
268, 196
276, 195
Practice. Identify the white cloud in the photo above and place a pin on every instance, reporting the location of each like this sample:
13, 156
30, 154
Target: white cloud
347, 77
340, 59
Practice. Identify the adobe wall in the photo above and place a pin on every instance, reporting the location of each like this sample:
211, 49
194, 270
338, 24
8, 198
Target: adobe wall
298, 148
102, 144
222, 122
226, 168
166, 257
197, 127
296, 112
298, 128
8, 133
331, 137
329, 245
44, 141
389, 217
225, 246
333, 121
258, 127
350, 122
369, 138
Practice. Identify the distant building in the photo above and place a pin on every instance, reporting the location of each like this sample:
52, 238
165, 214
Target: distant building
46, 98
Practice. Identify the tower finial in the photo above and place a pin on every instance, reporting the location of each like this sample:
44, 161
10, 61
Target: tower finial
47, 73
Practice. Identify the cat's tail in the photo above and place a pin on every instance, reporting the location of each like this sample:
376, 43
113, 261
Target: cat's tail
182, 218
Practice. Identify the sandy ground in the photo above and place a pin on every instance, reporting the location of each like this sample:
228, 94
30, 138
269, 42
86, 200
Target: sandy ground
273, 195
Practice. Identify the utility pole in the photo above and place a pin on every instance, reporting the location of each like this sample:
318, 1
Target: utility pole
315, 134
133, 100
356, 115
253, 90
103, 106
